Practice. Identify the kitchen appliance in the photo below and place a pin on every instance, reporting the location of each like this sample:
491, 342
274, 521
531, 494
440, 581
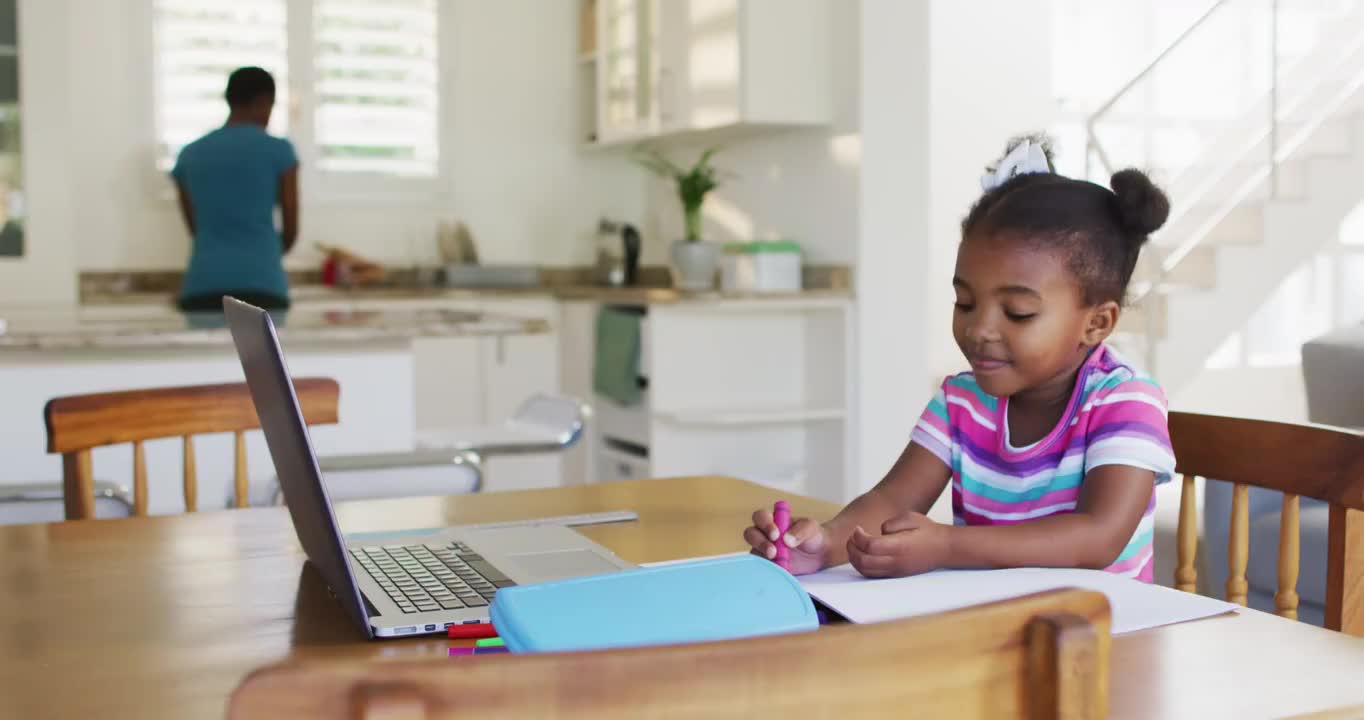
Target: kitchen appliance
617, 252
761, 266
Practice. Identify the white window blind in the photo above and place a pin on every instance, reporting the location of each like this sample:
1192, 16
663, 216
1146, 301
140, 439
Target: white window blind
377, 86
198, 43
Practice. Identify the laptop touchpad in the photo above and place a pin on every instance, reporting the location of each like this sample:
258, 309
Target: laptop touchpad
558, 564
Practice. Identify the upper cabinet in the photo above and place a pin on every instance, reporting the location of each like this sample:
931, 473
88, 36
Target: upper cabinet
657, 68
625, 65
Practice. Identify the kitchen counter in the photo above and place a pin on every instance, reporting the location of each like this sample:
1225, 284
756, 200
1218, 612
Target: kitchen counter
150, 288
319, 294
667, 296
323, 315
74, 330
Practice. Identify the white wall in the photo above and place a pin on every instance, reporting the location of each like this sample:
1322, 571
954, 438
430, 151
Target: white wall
894, 249
942, 92
989, 81
1279, 393
509, 142
797, 184
520, 181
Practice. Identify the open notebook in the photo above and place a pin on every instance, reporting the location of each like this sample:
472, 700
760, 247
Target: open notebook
1135, 605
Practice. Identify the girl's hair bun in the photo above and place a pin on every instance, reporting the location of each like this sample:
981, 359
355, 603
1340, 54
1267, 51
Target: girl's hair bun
1141, 207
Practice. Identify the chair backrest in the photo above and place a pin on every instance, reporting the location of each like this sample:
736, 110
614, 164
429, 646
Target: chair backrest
1298, 460
1039, 656
79, 423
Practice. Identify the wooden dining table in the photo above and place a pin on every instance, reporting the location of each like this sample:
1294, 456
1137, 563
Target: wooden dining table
162, 617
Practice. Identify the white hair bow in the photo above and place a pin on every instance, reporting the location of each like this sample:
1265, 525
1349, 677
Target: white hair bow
1025, 159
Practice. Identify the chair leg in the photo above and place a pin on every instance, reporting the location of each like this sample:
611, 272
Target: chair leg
78, 485
1186, 537
1238, 545
139, 480
191, 477
1344, 576
240, 486
1286, 599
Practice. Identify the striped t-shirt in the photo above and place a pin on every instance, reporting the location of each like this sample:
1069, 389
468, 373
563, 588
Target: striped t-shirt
1116, 416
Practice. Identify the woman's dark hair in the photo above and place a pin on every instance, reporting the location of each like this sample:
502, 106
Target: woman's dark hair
1101, 231
247, 84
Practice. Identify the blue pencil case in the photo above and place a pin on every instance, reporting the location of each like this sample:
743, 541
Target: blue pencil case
716, 599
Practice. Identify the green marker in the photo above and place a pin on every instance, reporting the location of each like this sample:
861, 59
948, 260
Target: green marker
490, 642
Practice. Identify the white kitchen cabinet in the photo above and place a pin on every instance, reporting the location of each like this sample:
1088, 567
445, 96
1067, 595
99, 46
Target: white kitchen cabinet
513, 368
669, 67
482, 380
577, 350
756, 389
625, 64
732, 62
446, 382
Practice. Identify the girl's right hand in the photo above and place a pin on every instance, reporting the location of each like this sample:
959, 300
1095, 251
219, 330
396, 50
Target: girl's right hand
805, 538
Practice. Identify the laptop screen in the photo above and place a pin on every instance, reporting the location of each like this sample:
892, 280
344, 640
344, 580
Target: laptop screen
286, 434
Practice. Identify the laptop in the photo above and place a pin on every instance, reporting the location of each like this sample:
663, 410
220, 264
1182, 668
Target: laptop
421, 583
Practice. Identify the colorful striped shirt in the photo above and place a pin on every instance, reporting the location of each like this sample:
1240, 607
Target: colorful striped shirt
1116, 416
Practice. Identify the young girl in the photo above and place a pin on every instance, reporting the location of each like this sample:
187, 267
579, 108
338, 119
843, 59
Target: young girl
1052, 442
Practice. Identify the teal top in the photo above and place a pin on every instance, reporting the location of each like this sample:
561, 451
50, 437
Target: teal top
232, 178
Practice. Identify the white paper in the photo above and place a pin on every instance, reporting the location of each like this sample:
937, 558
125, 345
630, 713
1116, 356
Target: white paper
1135, 605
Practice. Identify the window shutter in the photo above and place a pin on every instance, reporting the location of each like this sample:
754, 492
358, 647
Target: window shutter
198, 44
377, 86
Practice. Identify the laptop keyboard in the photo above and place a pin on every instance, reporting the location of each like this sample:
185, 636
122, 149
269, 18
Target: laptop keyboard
428, 578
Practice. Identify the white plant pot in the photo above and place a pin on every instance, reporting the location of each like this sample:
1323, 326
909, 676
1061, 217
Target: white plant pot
694, 265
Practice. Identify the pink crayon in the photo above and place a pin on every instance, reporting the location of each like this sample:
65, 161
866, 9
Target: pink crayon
781, 516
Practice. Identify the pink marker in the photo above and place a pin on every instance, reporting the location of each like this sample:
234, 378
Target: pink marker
781, 516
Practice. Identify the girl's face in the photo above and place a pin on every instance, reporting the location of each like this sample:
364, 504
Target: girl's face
1020, 316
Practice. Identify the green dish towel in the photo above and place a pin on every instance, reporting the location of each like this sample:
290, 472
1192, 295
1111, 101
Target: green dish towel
615, 373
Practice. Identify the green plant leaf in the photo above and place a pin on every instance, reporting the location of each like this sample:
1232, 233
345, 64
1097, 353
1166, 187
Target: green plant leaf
654, 161
704, 162
693, 184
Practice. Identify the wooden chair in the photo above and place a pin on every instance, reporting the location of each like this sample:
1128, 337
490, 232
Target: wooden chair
1300, 461
79, 423
1040, 656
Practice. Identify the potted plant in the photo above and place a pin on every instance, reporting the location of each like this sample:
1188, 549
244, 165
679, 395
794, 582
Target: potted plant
694, 260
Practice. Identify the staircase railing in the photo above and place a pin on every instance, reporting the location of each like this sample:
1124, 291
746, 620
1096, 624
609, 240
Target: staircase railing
1094, 148
1244, 155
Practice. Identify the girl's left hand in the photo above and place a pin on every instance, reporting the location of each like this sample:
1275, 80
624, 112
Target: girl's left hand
909, 544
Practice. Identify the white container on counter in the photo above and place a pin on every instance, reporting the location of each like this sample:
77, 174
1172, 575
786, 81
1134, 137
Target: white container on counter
761, 266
